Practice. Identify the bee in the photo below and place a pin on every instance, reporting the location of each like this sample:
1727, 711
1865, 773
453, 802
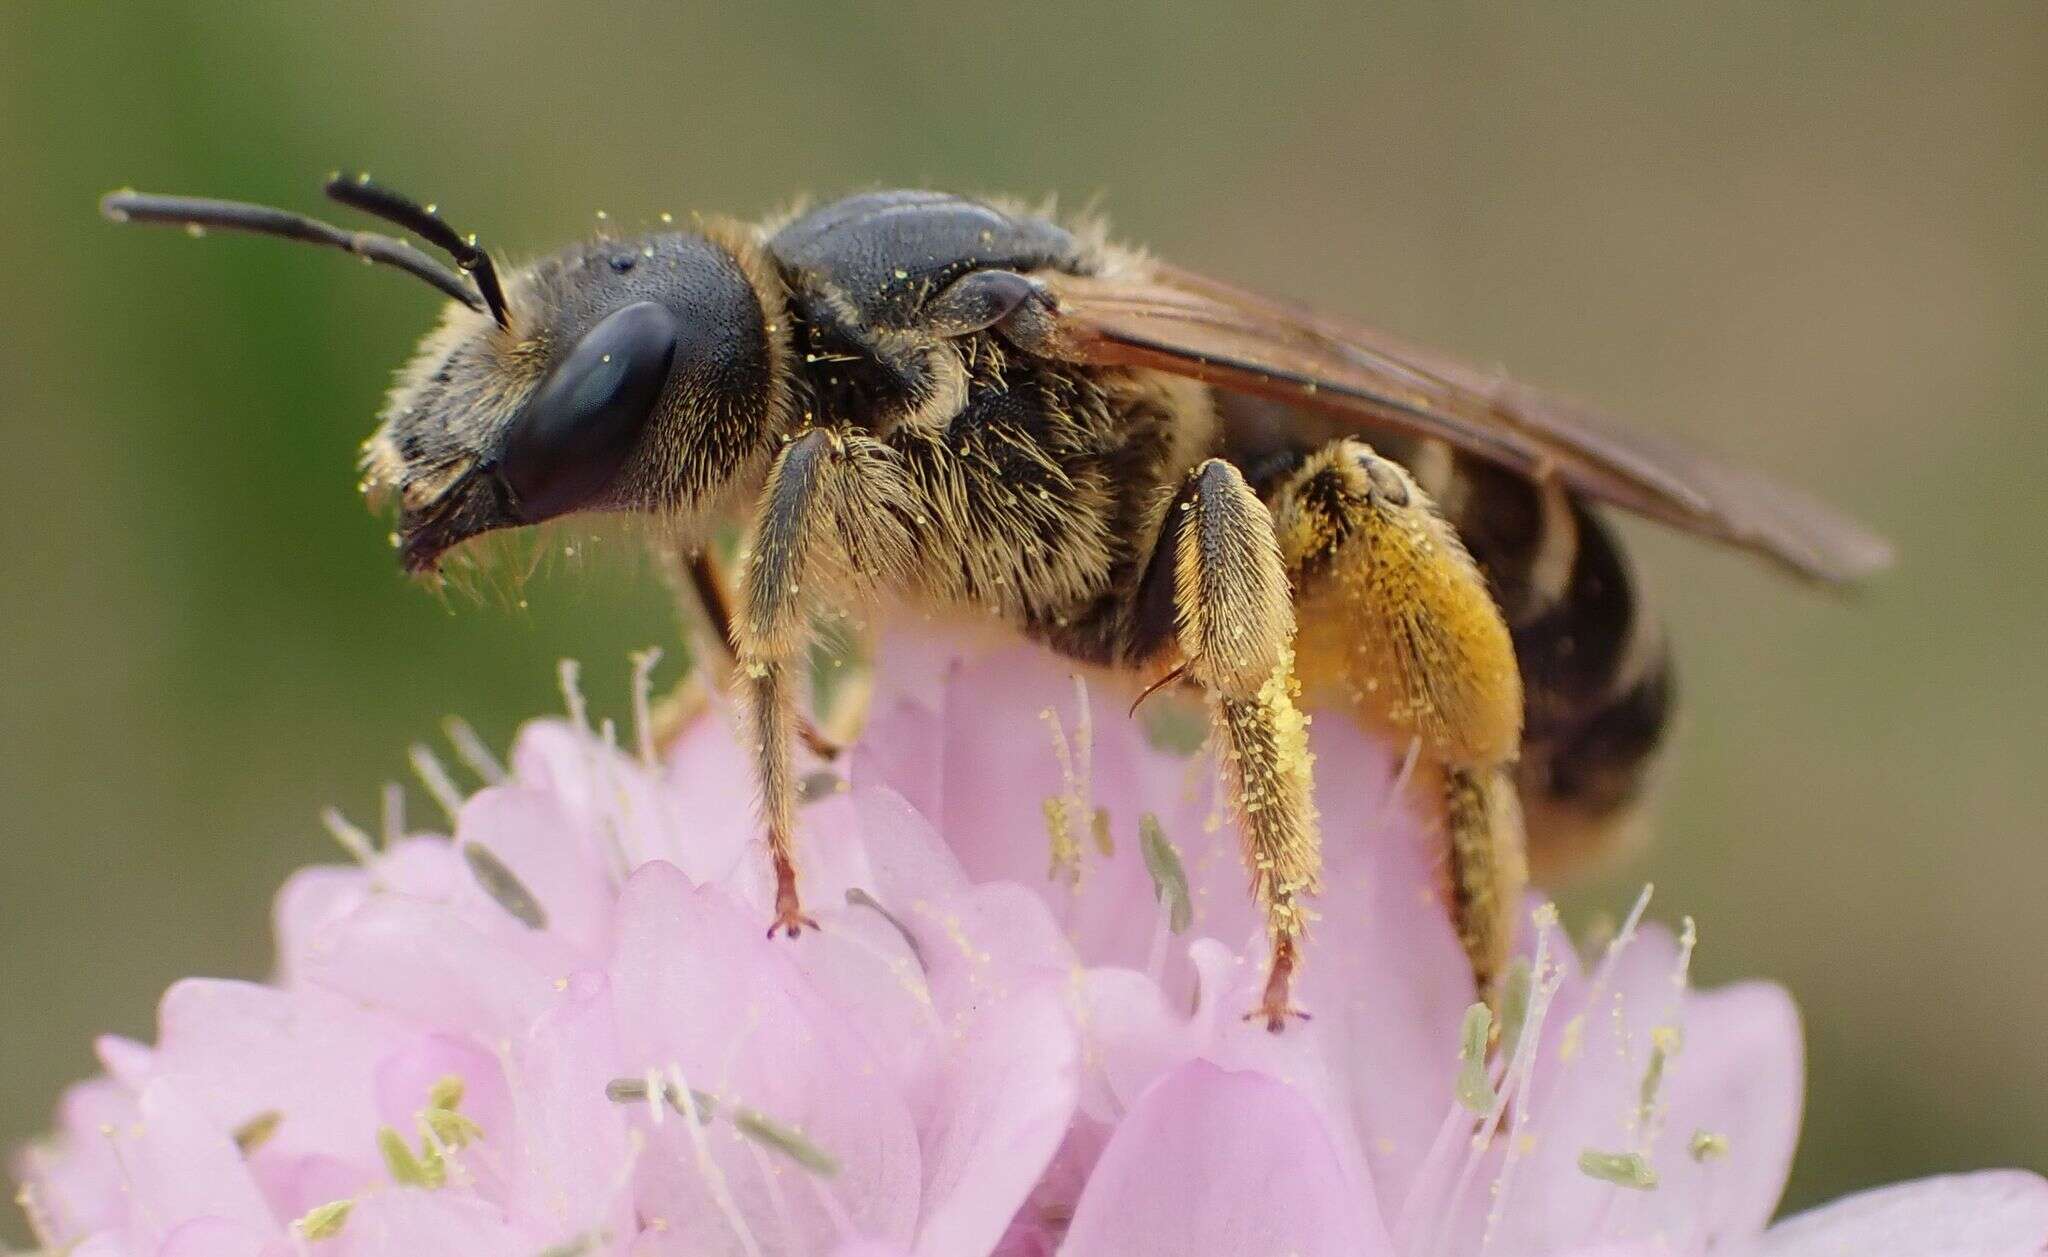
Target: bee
921, 399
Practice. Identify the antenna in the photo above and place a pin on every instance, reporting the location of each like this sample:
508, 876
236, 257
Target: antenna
424, 221
198, 213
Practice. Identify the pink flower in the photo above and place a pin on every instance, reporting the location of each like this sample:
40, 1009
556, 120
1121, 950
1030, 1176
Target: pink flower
1019, 1031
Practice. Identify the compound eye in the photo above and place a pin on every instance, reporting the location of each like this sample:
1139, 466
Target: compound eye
571, 439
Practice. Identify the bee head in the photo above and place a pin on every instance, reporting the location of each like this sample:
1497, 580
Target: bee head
644, 375
638, 375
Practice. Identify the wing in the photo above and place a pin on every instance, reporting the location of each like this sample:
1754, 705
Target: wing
1190, 325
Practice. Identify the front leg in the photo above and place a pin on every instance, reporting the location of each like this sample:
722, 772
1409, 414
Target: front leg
832, 527
1235, 625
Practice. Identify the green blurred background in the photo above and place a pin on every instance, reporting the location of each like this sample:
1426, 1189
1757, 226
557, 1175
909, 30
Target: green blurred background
1809, 235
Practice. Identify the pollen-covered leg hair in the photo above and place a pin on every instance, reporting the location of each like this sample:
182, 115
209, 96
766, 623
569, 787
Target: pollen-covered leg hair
832, 527
1235, 624
1398, 621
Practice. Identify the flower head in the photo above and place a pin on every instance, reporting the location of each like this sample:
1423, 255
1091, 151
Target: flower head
560, 1029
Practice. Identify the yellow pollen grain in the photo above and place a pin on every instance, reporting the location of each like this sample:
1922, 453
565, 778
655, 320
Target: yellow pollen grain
1574, 1037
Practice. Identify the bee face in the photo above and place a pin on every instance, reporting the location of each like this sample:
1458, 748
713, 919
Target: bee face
630, 375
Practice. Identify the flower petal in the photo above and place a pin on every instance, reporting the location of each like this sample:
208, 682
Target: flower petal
1740, 1074
219, 1237
410, 1223
573, 1144
531, 834
437, 967
1223, 1163
72, 1184
701, 992
246, 1050
1732, 1068
1006, 1096
1996, 1213
178, 1164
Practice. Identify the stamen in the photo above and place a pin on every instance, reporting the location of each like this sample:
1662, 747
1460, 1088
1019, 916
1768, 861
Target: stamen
656, 1091
1169, 875
1475, 1087
406, 1169
1623, 1169
567, 672
503, 885
323, 1222
473, 751
449, 1129
1514, 1006
822, 784
643, 702
351, 839
392, 821
1688, 939
714, 1176
1619, 943
1063, 810
1664, 1044
434, 776
1518, 1078
700, 1106
787, 1140
444, 1132
446, 1093
860, 898
1063, 864
607, 788
1707, 1146
256, 1132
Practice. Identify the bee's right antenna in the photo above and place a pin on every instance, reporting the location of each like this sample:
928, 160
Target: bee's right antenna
358, 192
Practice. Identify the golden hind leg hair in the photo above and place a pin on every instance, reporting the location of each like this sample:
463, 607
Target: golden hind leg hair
829, 527
1235, 625
1397, 620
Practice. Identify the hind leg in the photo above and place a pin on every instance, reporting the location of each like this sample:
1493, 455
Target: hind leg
1396, 619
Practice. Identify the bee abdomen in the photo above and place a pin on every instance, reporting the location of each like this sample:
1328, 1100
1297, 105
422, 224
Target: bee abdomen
1596, 669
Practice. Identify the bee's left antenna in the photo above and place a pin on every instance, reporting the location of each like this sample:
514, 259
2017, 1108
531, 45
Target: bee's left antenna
197, 213
424, 221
